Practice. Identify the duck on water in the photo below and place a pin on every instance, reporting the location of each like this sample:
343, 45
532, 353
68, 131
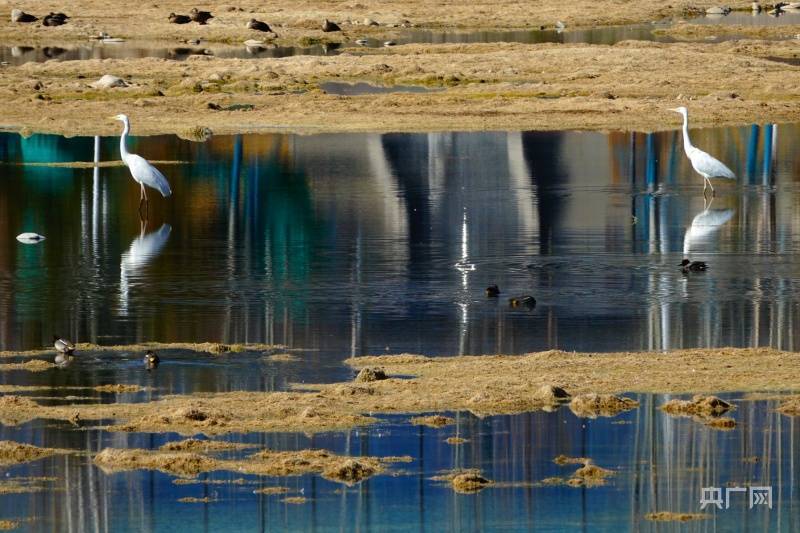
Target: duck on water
693, 266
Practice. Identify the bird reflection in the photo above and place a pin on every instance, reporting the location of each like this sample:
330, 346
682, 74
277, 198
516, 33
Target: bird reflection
141, 251
704, 225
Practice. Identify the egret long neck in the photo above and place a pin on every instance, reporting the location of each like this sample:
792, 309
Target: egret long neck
686, 142
123, 140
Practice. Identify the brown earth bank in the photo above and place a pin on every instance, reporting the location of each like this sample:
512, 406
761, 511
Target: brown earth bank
301, 21
628, 86
484, 385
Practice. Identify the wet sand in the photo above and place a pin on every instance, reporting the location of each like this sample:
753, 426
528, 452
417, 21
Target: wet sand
484, 385
628, 86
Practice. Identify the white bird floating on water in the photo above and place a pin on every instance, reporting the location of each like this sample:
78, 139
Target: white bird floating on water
704, 164
30, 238
143, 172
560, 26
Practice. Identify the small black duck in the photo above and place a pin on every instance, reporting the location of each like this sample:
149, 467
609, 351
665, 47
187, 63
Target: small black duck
201, 17
258, 26
151, 360
693, 266
523, 301
492, 291
55, 19
179, 19
17, 15
329, 26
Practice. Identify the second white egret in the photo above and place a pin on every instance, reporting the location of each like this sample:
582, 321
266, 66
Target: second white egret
143, 172
703, 163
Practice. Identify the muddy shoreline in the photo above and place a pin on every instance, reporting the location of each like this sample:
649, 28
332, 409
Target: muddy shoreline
294, 21
415, 385
479, 87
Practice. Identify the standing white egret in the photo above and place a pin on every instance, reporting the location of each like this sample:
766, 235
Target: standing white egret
704, 164
143, 172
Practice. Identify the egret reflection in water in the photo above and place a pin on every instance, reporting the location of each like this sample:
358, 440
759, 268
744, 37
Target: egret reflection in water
704, 225
142, 250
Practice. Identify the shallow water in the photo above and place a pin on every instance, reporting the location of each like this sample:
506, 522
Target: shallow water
661, 464
608, 35
355, 244
339, 245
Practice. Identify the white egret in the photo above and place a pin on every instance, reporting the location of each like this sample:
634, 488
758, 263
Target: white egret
704, 164
143, 172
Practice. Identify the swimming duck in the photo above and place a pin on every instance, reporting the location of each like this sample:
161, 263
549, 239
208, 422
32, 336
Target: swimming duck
328, 26
63, 345
55, 19
362, 42
524, 300
178, 19
492, 291
258, 26
201, 17
151, 360
693, 266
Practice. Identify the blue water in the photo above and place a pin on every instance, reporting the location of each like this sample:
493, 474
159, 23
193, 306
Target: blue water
340, 245
661, 464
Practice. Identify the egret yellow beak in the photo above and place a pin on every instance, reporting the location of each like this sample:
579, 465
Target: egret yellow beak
675, 109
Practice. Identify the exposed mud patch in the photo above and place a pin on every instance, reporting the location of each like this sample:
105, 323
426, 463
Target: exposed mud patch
699, 405
191, 499
497, 86
484, 385
34, 365
790, 406
295, 500
607, 405
186, 464
25, 485
206, 446
667, 516
433, 421
282, 358
12, 453
271, 490
266, 463
119, 388
465, 481
367, 375
587, 475
704, 409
